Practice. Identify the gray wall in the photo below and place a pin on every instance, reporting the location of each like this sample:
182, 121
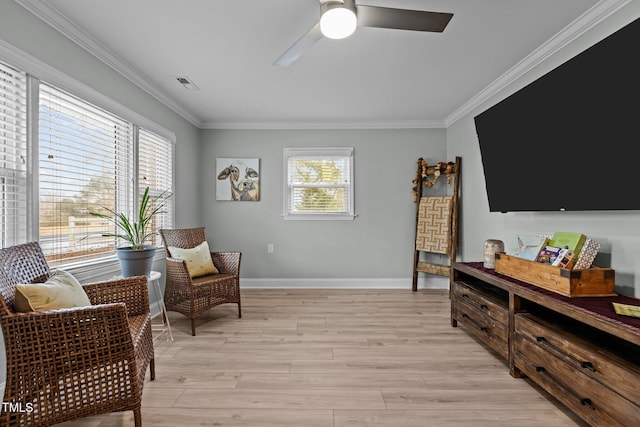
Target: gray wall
618, 232
378, 243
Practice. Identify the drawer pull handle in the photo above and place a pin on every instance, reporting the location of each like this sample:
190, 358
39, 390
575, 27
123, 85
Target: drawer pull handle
583, 364
588, 365
474, 323
482, 306
588, 403
583, 400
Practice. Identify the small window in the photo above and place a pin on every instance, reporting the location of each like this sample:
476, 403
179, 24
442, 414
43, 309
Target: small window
318, 183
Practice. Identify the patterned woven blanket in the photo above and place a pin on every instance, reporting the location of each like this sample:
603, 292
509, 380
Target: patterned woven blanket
434, 224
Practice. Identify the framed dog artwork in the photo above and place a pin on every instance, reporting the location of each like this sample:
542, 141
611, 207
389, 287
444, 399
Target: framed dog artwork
238, 179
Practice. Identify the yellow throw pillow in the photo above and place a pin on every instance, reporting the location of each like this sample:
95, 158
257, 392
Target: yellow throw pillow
62, 290
198, 259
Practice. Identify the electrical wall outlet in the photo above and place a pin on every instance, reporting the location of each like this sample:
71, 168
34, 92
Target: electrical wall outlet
270, 248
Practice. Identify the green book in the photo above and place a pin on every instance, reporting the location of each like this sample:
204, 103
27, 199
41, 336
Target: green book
573, 241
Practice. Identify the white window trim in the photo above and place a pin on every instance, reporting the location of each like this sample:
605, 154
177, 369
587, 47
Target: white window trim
34, 67
317, 151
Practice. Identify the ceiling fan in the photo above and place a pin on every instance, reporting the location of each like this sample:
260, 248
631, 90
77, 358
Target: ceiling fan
339, 19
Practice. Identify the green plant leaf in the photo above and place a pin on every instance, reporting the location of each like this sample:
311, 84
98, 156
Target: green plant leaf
137, 232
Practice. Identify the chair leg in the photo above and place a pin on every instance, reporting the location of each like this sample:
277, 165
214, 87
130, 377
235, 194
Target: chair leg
193, 327
239, 310
152, 369
137, 416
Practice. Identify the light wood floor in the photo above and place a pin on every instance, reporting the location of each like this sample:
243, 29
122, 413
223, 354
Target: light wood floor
334, 358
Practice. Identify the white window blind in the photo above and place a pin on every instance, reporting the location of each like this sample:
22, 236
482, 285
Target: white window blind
86, 163
155, 165
13, 156
319, 183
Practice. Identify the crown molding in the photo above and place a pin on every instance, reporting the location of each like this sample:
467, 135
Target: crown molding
44, 10
382, 124
578, 27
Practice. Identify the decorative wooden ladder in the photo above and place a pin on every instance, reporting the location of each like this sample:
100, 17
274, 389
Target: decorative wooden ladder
436, 218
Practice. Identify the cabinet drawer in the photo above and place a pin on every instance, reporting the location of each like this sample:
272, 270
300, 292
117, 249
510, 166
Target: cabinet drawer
615, 370
592, 401
482, 319
490, 331
484, 301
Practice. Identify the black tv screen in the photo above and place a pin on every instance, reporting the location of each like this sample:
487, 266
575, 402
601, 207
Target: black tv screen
567, 141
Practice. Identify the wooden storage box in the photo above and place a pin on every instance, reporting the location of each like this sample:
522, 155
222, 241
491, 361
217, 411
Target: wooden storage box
589, 282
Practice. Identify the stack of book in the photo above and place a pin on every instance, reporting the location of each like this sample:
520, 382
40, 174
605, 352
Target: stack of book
562, 249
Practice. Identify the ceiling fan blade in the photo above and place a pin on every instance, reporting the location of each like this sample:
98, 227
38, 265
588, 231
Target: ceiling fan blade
298, 48
402, 19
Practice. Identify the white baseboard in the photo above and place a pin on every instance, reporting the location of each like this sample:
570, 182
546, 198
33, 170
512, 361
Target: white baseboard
345, 283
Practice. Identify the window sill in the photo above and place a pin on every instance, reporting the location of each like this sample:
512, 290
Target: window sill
318, 217
99, 269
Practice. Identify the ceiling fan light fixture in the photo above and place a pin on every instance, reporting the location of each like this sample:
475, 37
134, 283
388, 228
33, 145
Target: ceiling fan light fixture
338, 20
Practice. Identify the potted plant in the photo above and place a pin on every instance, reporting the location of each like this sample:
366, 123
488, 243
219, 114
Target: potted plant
136, 258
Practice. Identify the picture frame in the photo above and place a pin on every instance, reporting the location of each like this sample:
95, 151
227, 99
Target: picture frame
238, 179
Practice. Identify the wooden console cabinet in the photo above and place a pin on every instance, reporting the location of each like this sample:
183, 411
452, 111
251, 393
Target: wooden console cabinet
577, 349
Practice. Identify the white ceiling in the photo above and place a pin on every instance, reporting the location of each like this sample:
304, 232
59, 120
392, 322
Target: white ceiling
375, 78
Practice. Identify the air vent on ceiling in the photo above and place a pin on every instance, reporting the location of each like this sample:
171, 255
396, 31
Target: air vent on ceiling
187, 83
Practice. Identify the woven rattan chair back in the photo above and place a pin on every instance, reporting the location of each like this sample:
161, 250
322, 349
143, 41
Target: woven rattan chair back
24, 263
186, 238
193, 296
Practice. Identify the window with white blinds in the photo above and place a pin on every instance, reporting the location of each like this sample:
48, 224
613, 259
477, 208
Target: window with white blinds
155, 161
86, 163
318, 183
85, 159
13, 156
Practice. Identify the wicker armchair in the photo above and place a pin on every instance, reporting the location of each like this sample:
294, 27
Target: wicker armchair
71, 363
194, 296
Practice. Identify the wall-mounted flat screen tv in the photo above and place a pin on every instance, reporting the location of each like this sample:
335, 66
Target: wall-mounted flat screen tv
567, 141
